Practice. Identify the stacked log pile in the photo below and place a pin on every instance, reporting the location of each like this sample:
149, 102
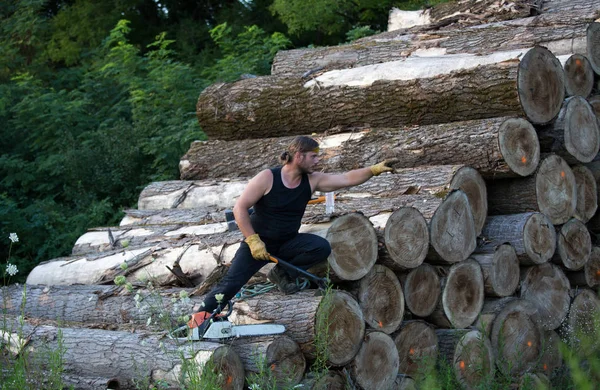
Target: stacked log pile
476, 252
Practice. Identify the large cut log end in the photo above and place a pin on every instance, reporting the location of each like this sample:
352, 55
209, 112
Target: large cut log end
593, 46
422, 290
463, 293
452, 229
469, 181
376, 364
519, 145
353, 246
417, 346
406, 238
500, 270
541, 85
381, 299
556, 189
579, 76
587, 193
582, 321
580, 126
343, 322
574, 245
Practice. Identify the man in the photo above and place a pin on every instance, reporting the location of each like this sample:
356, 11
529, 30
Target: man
279, 197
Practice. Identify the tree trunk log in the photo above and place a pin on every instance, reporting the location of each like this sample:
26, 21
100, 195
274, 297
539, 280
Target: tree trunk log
579, 76
593, 45
375, 366
489, 311
516, 337
561, 32
462, 296
560, 6
165, 216
551, 357
594, 167
406, 239
547, 287
422, 290
535, 380
105, 306
574, 135
420, 91
338, 318
404, 382
552, 191
417, 346
580, 325
125, 357
587, 193
500, 270
452, 230
590, 275
495, 147
532, 235
574, 245
469, 353
279, 356
381, 299
331, 380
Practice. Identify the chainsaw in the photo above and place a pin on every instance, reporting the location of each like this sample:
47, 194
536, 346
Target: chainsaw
217, 327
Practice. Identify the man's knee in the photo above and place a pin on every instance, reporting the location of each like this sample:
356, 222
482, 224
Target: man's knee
322, 248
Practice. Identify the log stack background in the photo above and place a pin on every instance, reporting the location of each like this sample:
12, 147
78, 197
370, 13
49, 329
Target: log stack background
480, 250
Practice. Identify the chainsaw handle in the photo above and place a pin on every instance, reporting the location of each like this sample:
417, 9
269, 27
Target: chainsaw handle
219, 310
321, 282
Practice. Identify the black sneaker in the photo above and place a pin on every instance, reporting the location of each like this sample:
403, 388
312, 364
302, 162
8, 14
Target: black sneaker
282, 280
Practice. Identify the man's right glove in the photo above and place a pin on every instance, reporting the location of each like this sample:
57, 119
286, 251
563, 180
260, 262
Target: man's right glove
257, 247
384, 166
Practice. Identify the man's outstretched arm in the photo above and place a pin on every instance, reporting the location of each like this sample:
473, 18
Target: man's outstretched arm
330, 182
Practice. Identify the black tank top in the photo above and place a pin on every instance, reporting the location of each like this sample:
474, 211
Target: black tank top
278, 215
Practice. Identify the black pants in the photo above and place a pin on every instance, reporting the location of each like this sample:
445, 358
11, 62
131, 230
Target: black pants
303, 251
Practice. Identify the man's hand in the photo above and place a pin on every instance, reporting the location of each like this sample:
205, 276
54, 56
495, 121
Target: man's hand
257, 247
384, 166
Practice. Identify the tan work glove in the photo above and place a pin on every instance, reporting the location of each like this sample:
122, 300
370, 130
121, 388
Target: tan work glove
384, 166
257, 247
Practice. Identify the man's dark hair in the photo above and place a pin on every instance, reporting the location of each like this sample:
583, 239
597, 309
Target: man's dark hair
300, 144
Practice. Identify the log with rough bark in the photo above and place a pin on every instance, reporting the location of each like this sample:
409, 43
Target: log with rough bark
580, 326
381, 299
574, 135
500, 270
593, 45
532, 235
562, 32
105, 306
469, 354
574, 245
279, 356
414, 91
337, 317
502, 146
417, 346
590, 275
452, 233
375, 366
560, 6
124, 357
422, 290
551, 191
193, 216
587, 193
516, 337
579, 76
547, 287
462, 296
551, 358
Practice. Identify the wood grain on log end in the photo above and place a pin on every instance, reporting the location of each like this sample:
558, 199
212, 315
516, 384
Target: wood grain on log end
580, 126
422, 290
593, 46
519, 145
500, 270
547, 287
332, 380
469, 181
541, 85
556, 190
353, 246
463, 293
587, 193
579, 76
417, 346
452, 229
595, 104
376, 364
551, 358
381, 299
469, 353
581, 325
345, 330
574, 245
406, 238
516, 338
590, 275
404, 382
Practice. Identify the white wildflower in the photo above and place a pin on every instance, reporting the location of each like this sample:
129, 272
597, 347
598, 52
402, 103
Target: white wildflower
13, 237
254, 386
173, 300
11, 269
219, 297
